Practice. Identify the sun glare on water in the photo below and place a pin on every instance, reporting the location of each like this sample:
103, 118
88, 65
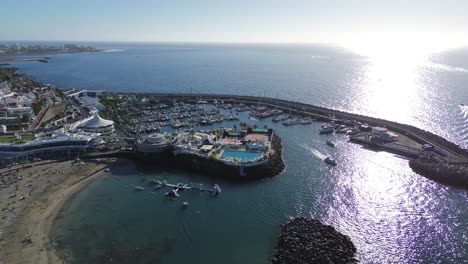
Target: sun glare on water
391, 85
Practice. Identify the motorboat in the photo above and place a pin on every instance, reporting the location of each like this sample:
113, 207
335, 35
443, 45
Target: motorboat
353, 131
330, 161
185, 205
138, 188
280, 118
106, 170
216, 190
342, 130
326, 129
330, 143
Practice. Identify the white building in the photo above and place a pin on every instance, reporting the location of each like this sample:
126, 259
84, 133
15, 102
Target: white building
23, 100
384, 134
98, 124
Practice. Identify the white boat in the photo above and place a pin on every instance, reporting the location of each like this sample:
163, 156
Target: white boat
326, 129
106, 169
138, 188
330, 143
216, 190
185, 205
330, 161
353, 131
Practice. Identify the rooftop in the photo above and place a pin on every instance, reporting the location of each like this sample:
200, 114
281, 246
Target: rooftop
97, 121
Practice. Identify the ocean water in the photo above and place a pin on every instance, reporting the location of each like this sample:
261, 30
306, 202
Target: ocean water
392, 214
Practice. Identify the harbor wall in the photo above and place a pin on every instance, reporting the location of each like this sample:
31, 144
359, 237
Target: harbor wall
324, 114
451, 174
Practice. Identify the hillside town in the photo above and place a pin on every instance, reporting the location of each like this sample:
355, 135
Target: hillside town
16, 48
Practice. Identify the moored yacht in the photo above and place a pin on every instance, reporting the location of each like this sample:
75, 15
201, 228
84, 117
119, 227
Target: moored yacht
330, 161
326, 129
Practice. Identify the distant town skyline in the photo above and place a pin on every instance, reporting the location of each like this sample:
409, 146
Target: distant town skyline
431, 23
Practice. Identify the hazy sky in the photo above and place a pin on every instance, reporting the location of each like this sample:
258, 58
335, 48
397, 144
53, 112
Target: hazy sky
232, 21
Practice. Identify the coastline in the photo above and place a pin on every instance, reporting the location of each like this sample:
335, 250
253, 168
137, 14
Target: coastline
37, 220
11, 59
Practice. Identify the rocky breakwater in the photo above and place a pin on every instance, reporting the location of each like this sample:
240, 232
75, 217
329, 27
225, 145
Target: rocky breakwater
305, 240
455, 174
275, 164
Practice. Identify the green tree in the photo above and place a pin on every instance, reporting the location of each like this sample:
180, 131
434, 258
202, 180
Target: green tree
192, 133
243, 125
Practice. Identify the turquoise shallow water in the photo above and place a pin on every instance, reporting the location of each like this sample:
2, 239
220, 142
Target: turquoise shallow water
392, 214
241, 155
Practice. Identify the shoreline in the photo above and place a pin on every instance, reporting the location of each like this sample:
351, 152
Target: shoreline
38, 59
37, 221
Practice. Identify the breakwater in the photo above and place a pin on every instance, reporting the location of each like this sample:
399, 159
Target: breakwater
304, 240
322, 114
452, 174
453, 152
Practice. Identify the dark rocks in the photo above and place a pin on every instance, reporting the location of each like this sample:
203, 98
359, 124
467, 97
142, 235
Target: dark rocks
275, 164
447, 173
304, 240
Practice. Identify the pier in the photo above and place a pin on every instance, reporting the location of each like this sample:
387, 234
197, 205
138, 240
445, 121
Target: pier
156, 185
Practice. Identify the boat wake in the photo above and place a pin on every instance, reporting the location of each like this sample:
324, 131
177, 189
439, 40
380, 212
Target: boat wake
314, 152
462, 126
464, 111
445, 67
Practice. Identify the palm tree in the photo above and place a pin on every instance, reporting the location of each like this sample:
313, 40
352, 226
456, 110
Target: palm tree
192, 133
243, 125
234, 127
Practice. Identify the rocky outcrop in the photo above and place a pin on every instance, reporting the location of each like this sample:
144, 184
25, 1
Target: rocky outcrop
452, 174
275, 164
217, 168
304, 240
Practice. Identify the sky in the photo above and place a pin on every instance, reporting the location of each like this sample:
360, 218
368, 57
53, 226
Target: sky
433, 22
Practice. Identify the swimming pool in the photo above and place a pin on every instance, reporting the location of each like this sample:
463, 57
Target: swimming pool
242, 155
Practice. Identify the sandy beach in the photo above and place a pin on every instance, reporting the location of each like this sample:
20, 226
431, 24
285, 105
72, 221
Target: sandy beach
30, 200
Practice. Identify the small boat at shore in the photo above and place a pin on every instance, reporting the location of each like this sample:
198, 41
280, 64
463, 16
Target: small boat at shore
331, 143
331, 161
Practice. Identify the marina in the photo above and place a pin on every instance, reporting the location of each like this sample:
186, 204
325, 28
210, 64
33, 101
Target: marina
375, 194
